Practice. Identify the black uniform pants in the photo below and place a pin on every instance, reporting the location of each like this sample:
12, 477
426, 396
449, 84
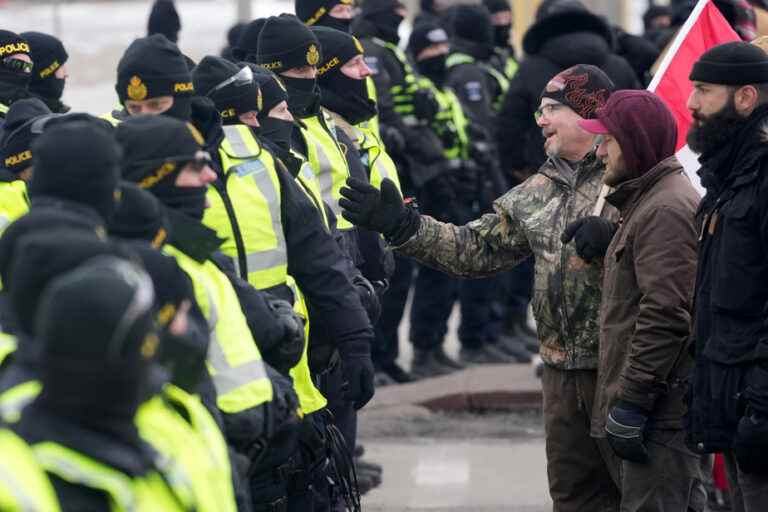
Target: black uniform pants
386, 347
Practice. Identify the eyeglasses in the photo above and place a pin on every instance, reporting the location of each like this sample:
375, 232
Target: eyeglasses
546, 110
241, 78
18, 65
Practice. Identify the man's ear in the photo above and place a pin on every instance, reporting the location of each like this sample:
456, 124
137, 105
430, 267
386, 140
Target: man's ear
745, 99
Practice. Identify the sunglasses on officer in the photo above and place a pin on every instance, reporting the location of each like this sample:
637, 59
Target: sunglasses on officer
17, 65
241, 78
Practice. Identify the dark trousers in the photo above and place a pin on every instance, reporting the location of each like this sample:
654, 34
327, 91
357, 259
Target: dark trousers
434, 295
581, 469
749, 493
386, 348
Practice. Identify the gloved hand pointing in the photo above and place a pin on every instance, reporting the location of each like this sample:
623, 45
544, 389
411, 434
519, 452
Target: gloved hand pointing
593, 236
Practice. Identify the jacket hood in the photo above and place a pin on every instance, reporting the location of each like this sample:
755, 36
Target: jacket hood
563, 23
583, 48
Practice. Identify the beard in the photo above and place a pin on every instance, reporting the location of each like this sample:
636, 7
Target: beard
715, 130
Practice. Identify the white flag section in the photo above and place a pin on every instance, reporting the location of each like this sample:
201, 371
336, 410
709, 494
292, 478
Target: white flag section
706, 27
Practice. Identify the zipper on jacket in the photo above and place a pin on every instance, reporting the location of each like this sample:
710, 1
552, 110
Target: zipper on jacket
563, 263
221, 187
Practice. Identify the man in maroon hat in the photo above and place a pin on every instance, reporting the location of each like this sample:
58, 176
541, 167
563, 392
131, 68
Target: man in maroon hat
645, 315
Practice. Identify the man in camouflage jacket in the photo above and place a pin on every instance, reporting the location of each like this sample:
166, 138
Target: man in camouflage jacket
529, 220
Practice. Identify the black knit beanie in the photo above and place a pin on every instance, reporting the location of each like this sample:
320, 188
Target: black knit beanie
152, 67
473, 23
286, 43
734, 63
16, 73
78, 161
316, 12
233, 99
247, 43
163, 19
48, 54
425, 35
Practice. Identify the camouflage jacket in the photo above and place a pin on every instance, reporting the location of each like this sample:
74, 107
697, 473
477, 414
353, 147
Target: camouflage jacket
529, 219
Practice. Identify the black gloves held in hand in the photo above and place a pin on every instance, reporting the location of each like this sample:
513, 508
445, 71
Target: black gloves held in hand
626, 431
751, 443
368, 297
593, 235
382, 211
287, 353
358, 371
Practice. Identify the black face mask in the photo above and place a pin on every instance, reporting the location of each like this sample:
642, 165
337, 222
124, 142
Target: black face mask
501, 35
13, 85
181, 109
347, 97
184, 355
433, 68
49, 88
387, 24
277, 131
303, 96
187, 200
336, 23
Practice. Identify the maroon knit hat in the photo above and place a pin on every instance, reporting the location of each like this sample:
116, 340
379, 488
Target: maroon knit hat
583, 87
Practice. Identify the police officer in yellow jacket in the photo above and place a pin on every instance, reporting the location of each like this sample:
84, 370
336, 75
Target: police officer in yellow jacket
24, 486
98, 345
15, 70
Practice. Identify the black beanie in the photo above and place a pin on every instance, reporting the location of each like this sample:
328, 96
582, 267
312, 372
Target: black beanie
735, 63
338, 48
473, 23
231, 100
583, 87
273, 91
79, 161
425, 35
372, 7
16, 74
286, 43
139, 216
48, 54
163, 19
248, 41
40, 256
495, 6
100, 312
312, 11
16, 144
12, 43
152, 67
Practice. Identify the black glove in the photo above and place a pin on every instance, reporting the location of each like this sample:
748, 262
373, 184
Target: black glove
287, 353
593, 236
626, 430
425, 106
365, 206
393, 140
368, 297
358, 371
751, 443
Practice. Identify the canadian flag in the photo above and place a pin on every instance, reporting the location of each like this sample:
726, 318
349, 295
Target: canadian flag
706, 27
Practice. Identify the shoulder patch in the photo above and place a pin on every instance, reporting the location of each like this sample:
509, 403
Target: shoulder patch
474, 91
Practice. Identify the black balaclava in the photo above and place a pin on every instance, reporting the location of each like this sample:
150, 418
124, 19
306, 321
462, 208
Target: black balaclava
286, 43
97, 332
152, 67
381, 13
16, 143
139, 216
273, 92
501, 32
79, 161
163, 19
14, 79
472, 24
48, 54
156, 150
339, 93
423, 36
231, 100
316, 13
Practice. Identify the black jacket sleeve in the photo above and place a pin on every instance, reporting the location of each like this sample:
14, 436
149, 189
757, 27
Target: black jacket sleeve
319, 267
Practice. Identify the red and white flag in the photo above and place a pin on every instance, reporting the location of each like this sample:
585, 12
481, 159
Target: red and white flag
706, 27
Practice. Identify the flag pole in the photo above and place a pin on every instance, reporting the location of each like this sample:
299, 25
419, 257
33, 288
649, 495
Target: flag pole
665, 62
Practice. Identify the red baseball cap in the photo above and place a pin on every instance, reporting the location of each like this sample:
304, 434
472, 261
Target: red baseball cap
595, 126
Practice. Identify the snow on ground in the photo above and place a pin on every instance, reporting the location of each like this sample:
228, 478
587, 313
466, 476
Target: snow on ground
96, 34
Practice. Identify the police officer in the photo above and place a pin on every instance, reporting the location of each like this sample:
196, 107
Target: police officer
15, 70
503, 58
23, 483
50, 72
335, 14
153, 77
16, 157
81, 427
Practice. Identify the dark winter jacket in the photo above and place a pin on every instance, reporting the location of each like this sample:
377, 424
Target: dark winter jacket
547, 53
730, 328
